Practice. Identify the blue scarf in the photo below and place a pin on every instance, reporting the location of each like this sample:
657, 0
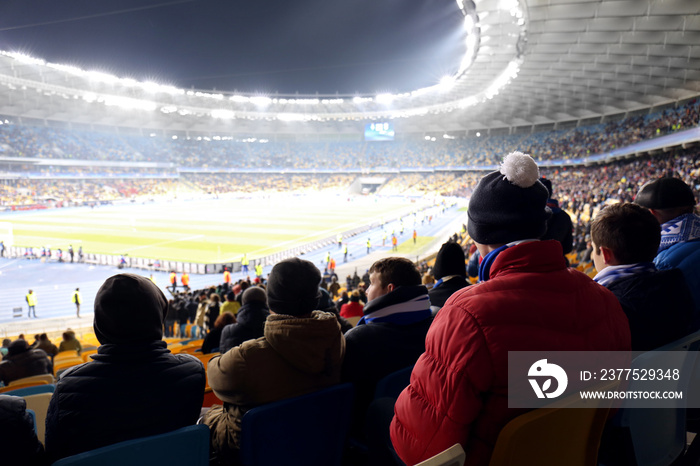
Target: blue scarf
615, 272
679, 230
487, 262
403, 306
490, 258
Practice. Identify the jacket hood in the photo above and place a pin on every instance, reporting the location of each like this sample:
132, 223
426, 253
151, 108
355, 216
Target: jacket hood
312, 344
129, 309
11, 406
252, 313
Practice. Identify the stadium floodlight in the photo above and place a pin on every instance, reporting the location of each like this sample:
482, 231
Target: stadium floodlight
361, 100
509, 5
446, 83
101, 77
223, 114
261, 100
447, 136
468, 24
239, 98
127, 103
168, 109
24, 58
291, 117
66, 69
478, 134
384, 98
174, 137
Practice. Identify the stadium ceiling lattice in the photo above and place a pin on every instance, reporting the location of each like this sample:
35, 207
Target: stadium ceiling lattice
529, 63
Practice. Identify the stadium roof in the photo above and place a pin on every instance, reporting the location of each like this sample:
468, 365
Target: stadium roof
534, 63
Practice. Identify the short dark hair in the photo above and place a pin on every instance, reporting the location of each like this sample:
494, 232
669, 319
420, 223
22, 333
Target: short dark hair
396, 270
630, 231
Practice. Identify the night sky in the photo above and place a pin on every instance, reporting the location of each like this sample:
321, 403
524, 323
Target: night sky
286, 46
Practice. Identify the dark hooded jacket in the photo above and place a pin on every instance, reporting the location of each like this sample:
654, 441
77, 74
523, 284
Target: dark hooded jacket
250, 324
18, 441
134, 387
23, 362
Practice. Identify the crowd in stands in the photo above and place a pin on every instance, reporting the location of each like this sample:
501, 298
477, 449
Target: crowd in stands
581, 190
222, 153
633, 229
301, 329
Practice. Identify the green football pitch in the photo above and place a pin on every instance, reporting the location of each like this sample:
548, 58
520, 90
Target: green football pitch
202, 231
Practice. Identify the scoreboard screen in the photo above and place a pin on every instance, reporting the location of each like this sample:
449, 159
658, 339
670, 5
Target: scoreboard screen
379, 132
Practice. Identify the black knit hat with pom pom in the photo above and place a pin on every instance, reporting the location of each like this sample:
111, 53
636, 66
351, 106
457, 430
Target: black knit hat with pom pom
509, 204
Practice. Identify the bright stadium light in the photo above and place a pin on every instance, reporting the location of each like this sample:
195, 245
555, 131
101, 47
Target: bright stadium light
261, 100
127, 103
223, 114
447, 82
102, 77
25, 58
66, 69
291, 117
361, 100
384, 98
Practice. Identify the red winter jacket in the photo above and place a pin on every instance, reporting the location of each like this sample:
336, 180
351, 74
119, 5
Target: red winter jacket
532, 302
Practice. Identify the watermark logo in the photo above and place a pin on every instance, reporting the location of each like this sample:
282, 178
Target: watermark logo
543, 370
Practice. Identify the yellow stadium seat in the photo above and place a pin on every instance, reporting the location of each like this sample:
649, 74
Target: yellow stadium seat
48, 378
39, 403
65, 364
86, 354
23, 385
64, 355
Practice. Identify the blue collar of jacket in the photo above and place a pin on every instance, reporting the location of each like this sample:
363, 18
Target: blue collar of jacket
403, 306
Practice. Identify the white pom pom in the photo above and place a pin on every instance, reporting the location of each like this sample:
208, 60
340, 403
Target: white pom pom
520, 169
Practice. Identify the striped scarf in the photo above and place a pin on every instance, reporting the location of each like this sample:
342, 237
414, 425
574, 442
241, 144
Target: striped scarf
615, 272
679, 230
403, 306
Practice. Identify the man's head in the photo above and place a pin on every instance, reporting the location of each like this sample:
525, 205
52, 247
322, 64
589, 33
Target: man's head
509, 204
666, 198
389, 273
254, 293
129, 309
17, 347
293, 287
624, 234
450, 261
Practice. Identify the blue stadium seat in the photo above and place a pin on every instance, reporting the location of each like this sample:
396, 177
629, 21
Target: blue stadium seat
393, 384
188, 446
308, 430
657, 436
35, 390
